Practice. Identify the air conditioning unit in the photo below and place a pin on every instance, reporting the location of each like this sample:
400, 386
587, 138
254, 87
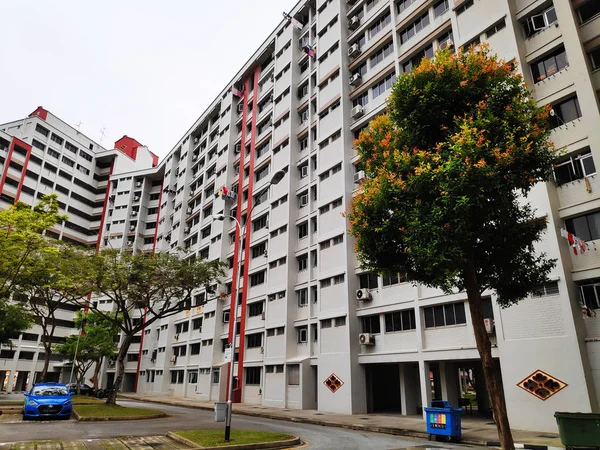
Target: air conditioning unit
359, 176
303, 200
173, 360
129, 243
363, 294
134, 213
353, 51
366, 339
354, 23
357, 111
240, 107
263, 316
194, 157
238, 148
188, 210
304, 116
138, 184
355, 79
262, 349
489, 325
266, 253
303, 171
132, 228
136, 198
175, 338
186, 230
192, 193
267, 224
196, 140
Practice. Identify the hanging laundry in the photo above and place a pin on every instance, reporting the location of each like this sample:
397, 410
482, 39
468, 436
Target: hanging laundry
293, 21
226, 194
582, 246
578, 245
309, 50
237, 92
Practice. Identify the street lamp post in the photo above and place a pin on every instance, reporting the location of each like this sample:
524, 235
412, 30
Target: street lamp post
80, 329
275, 179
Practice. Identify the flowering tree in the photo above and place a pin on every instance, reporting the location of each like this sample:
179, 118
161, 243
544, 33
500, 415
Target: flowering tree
443, 201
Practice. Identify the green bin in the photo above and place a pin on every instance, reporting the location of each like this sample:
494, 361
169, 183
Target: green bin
579, 429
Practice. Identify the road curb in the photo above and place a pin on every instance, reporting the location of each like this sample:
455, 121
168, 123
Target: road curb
259, 446
356, 427
117, 419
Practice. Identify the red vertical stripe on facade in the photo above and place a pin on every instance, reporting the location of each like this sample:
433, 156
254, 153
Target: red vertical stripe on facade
106, 196
247, 237
237, 247
11, 148
24, 170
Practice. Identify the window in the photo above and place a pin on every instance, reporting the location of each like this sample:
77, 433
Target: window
293, 375
368, 281
585, 227
588, 11
215, 377
56, 139
326, 323
340, 321
549, 64
382, 54
260, 223
302, 262
302, 334
391, 279
40, 129
257, 278
445, 315
383, 86
259, 250
379, 25
410, 31
197, 324
68, 162
550, 288
461, 9
565, 111
53, 153
338, 279
256, 309
195, 348
302, 296
253, 375
302, 230
575, 168
371, 324
400, 321
403, 4
261, 173
493, 30
590, 295
254, 340
538, 22
440, 8
193, 376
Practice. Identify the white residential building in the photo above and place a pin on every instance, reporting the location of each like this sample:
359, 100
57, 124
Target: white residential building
300, 315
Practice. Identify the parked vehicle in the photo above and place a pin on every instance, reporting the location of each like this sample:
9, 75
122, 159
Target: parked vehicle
84, 389
48, 400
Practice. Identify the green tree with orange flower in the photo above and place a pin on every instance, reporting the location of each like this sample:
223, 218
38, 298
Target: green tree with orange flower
444, 201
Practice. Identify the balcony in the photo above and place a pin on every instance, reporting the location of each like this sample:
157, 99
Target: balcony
543, 40
589, 30
554, 84
575, 197
569, 134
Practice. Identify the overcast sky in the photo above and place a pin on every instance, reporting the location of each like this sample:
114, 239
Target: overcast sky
145, 68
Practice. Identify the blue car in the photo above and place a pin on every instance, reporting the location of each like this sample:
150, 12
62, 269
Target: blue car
48, 400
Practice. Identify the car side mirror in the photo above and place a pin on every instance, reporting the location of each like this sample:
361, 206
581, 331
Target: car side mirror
26, 394
72, 393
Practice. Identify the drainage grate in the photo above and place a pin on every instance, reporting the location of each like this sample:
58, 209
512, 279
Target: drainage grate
363, 418
547, 436
319, 414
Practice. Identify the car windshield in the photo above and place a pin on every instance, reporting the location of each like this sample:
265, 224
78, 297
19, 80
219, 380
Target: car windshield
49, 391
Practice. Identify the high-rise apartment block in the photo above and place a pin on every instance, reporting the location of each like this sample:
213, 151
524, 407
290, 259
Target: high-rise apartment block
313, 331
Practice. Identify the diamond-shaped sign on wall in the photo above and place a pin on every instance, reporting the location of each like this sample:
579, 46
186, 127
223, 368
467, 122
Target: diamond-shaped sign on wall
333, 382
542, 385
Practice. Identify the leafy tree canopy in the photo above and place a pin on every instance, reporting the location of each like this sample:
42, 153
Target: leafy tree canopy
447, 169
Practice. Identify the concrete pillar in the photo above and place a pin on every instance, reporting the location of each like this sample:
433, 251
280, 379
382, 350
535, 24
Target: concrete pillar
483, 401
449, 383
425, 384
409, 389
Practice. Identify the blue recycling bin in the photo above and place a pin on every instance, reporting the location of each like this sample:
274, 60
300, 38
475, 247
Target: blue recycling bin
443, 420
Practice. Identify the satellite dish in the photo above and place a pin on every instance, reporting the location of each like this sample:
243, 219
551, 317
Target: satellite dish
552, 113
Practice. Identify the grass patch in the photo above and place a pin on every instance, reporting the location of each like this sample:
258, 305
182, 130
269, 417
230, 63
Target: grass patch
103, 411
85, 400
214, 438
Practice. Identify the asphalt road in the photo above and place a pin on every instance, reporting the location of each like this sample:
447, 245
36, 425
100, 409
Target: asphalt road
12, 429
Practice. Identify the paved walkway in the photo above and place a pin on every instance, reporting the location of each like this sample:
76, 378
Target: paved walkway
126, 443
476, 431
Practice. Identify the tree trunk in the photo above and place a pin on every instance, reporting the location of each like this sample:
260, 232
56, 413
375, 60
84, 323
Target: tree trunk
112, 398
97, 373
47, 353
485, 353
